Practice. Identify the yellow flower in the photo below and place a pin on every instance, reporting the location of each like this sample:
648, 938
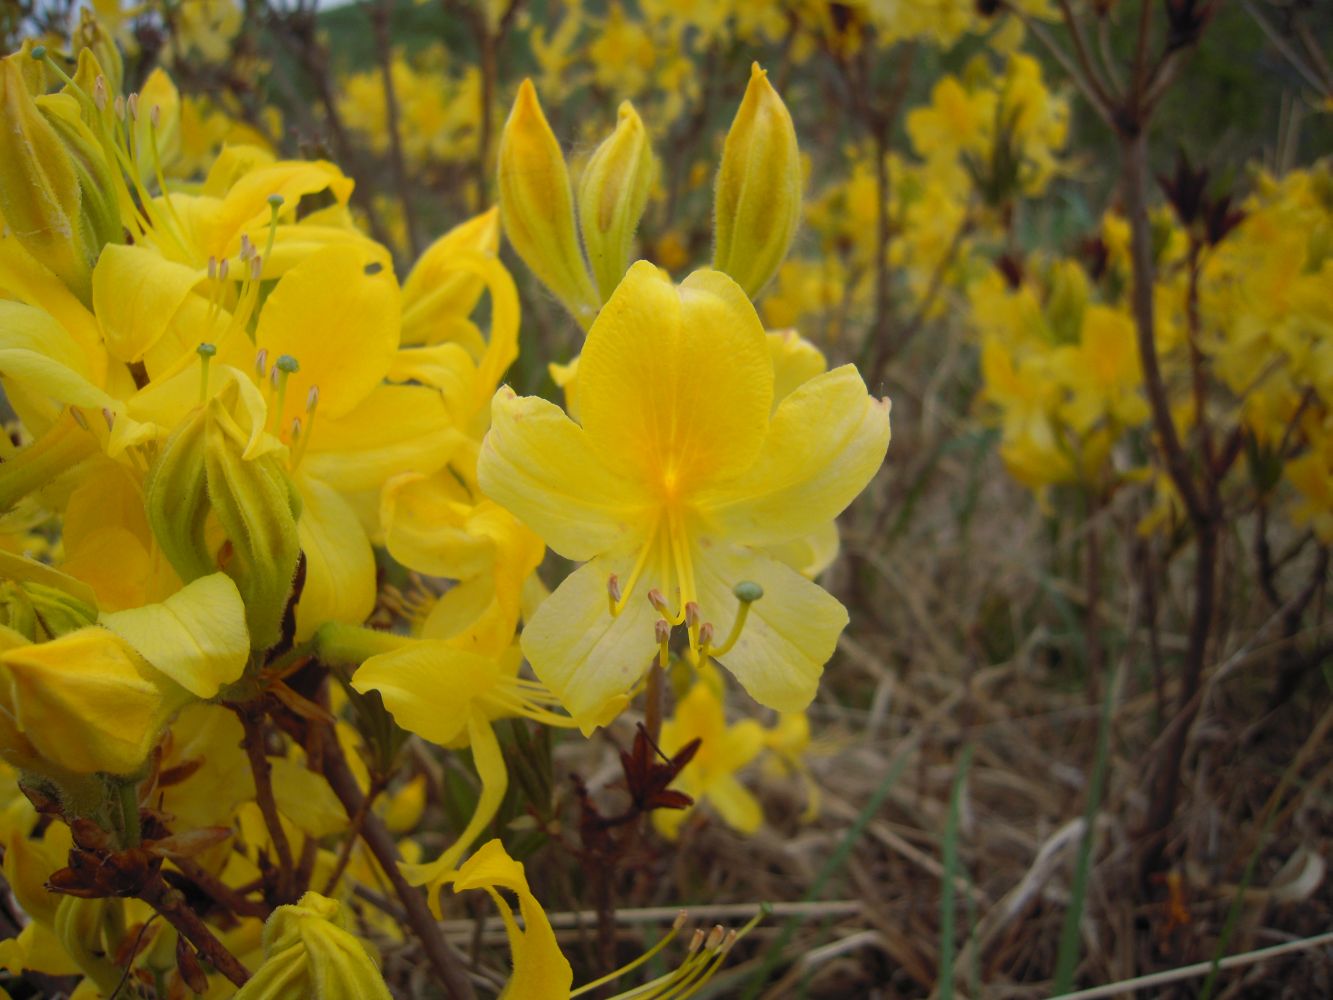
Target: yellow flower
676, 471
723, 750
541, 972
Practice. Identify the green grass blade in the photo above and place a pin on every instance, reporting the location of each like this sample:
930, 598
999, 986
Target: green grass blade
948, 914
831, 867
1066, 961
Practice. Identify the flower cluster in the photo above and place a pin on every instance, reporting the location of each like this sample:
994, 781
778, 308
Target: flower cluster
269, 512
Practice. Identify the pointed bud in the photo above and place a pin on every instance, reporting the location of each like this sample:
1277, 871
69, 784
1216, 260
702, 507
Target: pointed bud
537, 208
757, 202
612, 194
39, 188
258, 508
92, 36
98, 221
176, 499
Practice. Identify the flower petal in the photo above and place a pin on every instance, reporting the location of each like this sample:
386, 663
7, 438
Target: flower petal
827, 440
336, 313
538, 464
790, 632
588, 659
197, 636
676, 384
340, 565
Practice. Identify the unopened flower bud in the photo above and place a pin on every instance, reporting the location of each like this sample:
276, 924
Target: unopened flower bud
537, 207
757, 203
39, 187
612, 194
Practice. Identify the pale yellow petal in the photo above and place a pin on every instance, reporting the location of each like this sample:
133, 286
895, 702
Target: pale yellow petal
826, 441
197, 636
537, 463
790, 633
590, 660
136, 294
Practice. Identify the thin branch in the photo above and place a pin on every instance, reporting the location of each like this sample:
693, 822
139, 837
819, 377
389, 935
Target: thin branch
172, 905
255, 752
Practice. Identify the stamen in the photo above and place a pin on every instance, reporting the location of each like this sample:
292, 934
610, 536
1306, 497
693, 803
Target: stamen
656, 599
613, 592
133, 105
119, 107
275, 202
302, 441
647, 956
79, 418
747, 592
247, 248
637, 571
223, 269
109, 417
283, 368
99, 92
261, 360
663, 631
205, 352
212, 267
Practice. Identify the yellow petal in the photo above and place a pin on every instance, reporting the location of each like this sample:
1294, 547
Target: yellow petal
85, 701
425, 522
675, 385
826, 441
38, 356
735, 804
491, 769
136, 294
340, 565
588, 659
795, 362
197, 636
429, 687
396, 429
436, 290
339, 321
538, 464
306, 799
790, 632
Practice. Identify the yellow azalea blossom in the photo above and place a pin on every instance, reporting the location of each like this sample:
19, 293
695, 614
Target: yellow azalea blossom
723, 750
450, 697
675, 474
541, 971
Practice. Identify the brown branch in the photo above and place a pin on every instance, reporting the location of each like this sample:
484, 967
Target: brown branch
219, 891
252, 721
354, 832
448, 964
171, 904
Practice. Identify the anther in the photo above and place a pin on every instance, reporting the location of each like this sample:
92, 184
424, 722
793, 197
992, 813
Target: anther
212, 267
705, 635
691, 615
223, 269
679, 922
133, 105
247, 248
662, 629
730, 942
296, 429
715, 937
119, 107
656, 599
256, 267
99, 92
312, 399
613, 593
261, 361
109, 417
78, 417
155, 116
696, 941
